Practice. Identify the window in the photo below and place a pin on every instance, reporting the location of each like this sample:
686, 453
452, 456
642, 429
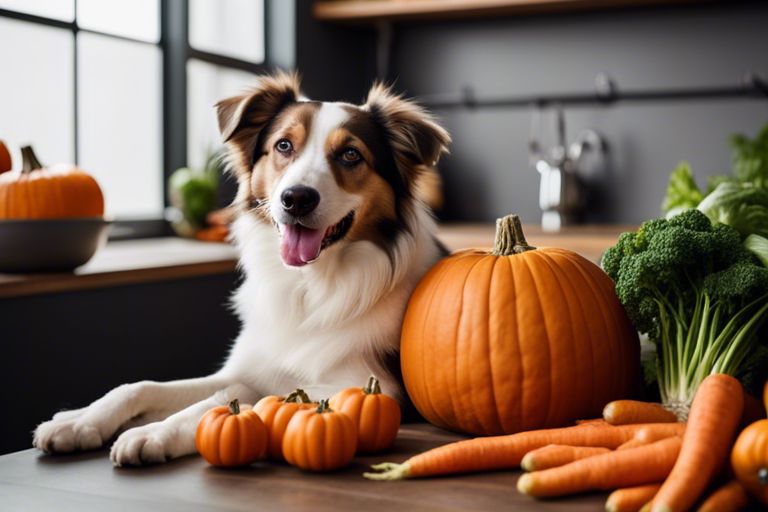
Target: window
125, 88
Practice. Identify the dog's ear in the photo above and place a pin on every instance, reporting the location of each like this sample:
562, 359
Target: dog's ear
416, 138
258, 105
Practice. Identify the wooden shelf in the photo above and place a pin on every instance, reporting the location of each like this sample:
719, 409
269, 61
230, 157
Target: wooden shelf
129, 262
407, 10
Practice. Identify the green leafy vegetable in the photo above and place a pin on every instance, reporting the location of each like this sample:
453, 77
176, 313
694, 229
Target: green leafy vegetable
750, 158
740, 205
758, 246
698, 293
682, 191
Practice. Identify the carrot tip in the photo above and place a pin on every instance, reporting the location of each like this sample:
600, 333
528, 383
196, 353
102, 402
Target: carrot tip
524, 484
528, 463
389, 471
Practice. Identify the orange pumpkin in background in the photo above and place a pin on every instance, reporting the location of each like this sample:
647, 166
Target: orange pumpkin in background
6, 163
320, 439
38, 192
516, 339
276, 412
377, 416
228, 436
749, 459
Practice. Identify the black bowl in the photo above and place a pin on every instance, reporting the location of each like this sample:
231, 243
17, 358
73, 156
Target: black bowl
50, 245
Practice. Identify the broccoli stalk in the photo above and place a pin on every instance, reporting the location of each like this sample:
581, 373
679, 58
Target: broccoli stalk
701, 297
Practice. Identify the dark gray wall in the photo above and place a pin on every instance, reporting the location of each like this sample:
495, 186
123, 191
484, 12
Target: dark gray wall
64, 350
488, 175
336, 62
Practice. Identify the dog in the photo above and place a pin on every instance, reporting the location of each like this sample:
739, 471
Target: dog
333, 237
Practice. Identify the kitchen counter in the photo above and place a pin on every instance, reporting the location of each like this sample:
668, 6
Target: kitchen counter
162, 259
30, 480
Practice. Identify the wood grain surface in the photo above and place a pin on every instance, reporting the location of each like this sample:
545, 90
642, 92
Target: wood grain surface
30, 480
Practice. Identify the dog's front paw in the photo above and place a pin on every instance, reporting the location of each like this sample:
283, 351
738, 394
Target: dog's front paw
66, 435
150, 444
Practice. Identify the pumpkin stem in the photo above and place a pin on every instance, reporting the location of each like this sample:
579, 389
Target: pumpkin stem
372, 387
234, 407
324, 407
29, 160
298, 396
762, 476
509, 237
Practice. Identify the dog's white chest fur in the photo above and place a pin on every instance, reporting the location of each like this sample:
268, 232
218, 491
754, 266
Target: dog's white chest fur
323, 326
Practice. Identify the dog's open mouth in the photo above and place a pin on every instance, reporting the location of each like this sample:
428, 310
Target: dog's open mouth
301, 245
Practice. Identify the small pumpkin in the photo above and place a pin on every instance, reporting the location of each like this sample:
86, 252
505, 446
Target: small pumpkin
516, 339
6, 162
377, 416
38, 192
320, 439
749, 459
276, 411
229, 436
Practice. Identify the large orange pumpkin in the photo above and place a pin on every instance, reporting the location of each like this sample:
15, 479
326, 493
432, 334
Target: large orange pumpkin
320, 439
749, 459
377, 416
38, 192
6, 163
228, 436
276, 411
516, 339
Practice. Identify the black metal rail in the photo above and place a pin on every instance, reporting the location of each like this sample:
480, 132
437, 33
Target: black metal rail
605, 93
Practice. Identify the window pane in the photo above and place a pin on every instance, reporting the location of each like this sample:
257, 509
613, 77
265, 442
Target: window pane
36, 104
58, 9
206, 85
234, 28
139, 19
120, 123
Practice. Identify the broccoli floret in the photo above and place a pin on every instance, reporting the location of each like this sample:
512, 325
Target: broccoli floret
697, 292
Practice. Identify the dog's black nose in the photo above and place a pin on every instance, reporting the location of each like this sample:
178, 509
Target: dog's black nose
299, 200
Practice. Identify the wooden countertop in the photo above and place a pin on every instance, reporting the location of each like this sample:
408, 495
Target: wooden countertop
30, 480
157, 259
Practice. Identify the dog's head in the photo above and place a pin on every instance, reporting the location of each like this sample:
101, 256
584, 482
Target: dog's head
327, 173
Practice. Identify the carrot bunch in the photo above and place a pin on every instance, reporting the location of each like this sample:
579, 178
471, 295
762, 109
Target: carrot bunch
638, 450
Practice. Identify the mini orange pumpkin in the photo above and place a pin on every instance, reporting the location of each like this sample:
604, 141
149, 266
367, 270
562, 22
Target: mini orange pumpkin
376, 416
276, 412
320, 439
228, 436
6, 163
749, 459
516, 339
38, 192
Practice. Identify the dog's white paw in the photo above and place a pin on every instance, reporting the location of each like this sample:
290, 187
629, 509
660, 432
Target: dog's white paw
150, 444
66, 435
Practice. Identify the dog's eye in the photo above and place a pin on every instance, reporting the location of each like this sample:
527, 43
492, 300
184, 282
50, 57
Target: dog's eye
284, 146
350, 156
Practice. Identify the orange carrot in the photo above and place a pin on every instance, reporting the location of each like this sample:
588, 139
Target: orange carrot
649, 435
554, 455
634, 466
708, 438
591, 421
631, 499
504, 452
731, 497
625, 412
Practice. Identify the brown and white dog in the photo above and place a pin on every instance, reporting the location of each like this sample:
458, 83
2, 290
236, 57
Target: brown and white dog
333, 237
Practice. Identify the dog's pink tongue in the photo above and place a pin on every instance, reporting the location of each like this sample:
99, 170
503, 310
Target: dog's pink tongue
300, 245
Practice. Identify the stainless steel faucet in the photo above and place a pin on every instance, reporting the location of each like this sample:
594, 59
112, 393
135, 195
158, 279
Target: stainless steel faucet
562, 191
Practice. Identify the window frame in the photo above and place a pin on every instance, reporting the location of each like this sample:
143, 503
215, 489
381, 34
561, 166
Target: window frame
176, 51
